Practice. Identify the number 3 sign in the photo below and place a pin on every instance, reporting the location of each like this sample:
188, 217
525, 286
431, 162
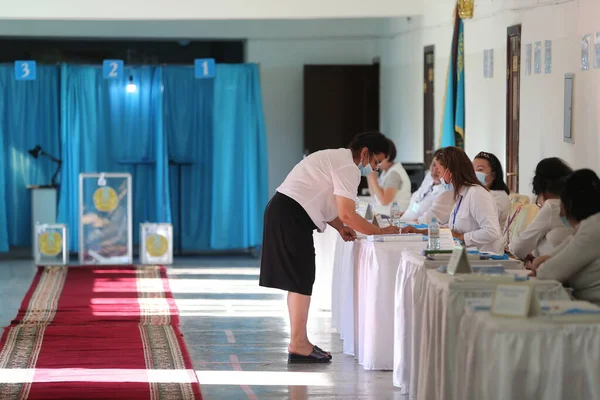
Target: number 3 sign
25, 70
112, 69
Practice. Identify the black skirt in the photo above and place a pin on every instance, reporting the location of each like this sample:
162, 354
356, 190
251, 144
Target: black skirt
288, 250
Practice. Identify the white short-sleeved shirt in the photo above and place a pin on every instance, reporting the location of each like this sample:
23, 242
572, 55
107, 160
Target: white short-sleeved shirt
316, 180
475, 216
544, 234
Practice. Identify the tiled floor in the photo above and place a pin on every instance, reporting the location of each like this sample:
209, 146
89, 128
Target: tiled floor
237, 334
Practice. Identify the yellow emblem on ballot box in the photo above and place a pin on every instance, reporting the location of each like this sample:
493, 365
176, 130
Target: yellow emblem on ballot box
157, 245
105, 199
50, 243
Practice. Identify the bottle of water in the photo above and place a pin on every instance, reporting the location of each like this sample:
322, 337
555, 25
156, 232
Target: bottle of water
433, 232
395, 214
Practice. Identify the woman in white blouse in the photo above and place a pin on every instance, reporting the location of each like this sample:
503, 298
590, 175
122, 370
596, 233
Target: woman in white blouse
547, 230
576, 262
474, 218
431, 200
393, 184
489, 172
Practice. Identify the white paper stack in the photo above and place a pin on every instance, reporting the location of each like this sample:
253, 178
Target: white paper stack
402, 237
570, 311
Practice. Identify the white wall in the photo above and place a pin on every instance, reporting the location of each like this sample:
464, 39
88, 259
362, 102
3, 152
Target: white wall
281, 65
203, 9
188, 29
541, 123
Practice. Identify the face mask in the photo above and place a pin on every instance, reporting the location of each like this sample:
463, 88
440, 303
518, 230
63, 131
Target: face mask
365, 169
565, 221
481, 176
445, 185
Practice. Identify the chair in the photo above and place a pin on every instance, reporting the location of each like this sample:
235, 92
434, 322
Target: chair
518, 221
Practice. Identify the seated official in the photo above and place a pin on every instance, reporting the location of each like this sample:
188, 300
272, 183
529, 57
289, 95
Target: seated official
431, 200
474, 219
546, 231
392, 185
576, 262
489, 172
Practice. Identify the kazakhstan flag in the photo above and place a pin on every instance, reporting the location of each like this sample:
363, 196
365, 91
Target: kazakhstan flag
453, 118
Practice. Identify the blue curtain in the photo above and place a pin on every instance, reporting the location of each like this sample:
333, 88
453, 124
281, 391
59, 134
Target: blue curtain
239, 184
188, 112
29, 115
106, 129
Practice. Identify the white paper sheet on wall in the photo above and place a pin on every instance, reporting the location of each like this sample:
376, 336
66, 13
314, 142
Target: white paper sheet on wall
585, 53
548, 57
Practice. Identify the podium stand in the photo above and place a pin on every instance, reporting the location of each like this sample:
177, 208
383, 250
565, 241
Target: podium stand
43, 207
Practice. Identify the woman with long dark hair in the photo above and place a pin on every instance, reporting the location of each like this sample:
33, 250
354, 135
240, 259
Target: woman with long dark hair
474, 219
489, 172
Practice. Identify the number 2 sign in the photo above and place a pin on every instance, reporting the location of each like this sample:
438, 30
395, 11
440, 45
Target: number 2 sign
204, 68
25, 70
112, 69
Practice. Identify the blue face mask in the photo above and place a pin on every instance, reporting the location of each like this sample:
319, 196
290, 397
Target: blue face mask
365, 169
481, 176
445, 185
565, 221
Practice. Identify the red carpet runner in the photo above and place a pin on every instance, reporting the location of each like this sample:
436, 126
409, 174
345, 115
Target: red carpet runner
97, 333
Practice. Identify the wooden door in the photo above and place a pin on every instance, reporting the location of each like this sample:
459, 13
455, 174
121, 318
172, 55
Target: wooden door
513, 72
428, 106
339, 102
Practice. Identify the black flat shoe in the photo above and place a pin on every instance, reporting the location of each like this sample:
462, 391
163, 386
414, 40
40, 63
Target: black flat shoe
317, 348
316, 357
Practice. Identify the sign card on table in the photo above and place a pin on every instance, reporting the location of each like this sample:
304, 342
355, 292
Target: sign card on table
515, 300
459, 262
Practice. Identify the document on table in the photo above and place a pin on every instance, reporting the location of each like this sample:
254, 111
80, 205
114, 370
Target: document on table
446, 239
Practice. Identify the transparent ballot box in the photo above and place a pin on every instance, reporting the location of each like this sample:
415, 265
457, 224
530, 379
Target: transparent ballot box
105, 219
50, 245
156, 243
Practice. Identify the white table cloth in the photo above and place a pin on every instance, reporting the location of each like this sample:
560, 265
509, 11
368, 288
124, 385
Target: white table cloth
501, 358
325, 244
343, 292
445, 299
409, 303
376, 266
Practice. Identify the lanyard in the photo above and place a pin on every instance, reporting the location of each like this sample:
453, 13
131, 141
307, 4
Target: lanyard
456, 211
426, 193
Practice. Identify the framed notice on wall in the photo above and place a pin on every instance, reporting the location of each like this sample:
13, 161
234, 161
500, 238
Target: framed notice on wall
105, 219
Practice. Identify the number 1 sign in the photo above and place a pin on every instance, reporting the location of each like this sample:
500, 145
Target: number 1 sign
204, 68
112, 69
25, 70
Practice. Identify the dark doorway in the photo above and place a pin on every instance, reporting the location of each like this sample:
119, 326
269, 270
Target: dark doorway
428, 105
513, 106
339, 102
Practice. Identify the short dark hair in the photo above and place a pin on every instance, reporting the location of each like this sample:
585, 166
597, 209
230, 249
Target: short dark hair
550, 176
376, 142
498, 182
391, 156
581, 195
